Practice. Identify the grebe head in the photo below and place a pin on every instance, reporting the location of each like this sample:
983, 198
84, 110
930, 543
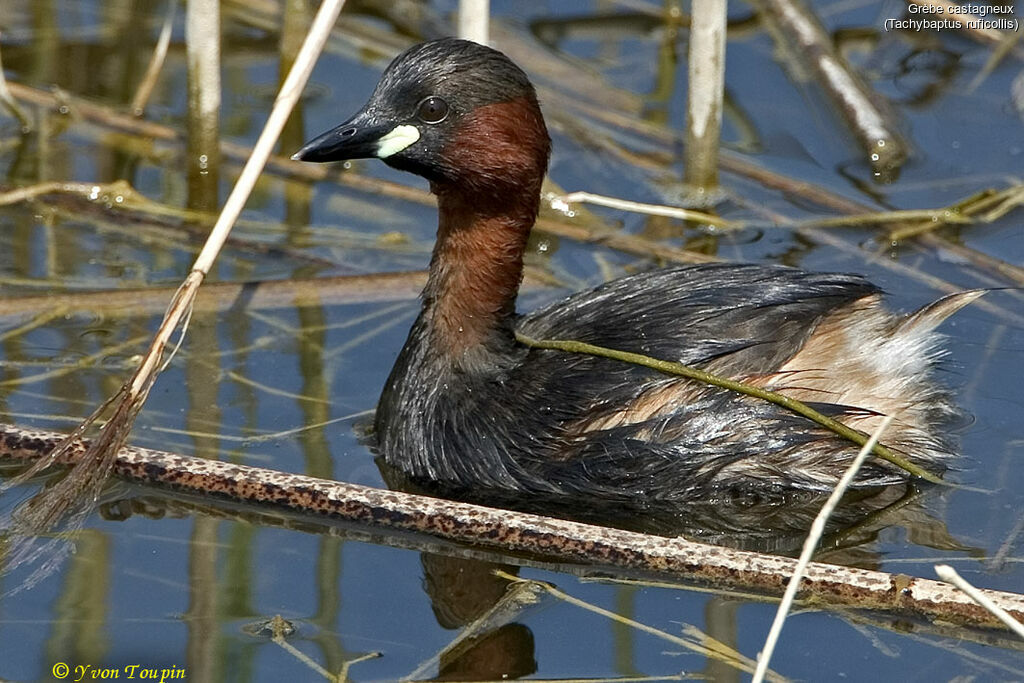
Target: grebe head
460, 114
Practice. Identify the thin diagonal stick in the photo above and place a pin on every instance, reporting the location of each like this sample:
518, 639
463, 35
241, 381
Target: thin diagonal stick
80, 488
813, 536
949, 575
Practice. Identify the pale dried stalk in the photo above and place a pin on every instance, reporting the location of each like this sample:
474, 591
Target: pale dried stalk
813, 537
80, 488
558, 201
868, 116
280, 628
22, 194
156, 62
202, 123
474, 20
705, 90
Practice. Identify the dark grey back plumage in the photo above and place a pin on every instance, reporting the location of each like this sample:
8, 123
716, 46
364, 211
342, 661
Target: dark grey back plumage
512, 429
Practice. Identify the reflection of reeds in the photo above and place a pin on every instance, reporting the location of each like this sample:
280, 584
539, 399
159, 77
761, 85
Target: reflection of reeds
156, 62
77, 491
695, 640
298, 196
620, 116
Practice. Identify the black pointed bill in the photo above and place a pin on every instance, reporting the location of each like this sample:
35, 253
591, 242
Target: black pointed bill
357, 139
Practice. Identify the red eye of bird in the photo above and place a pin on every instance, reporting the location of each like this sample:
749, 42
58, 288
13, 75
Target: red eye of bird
432, 110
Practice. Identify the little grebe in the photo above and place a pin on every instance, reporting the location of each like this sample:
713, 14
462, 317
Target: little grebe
467, 408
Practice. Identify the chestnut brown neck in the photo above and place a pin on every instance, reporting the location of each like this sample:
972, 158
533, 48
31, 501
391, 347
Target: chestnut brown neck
487, 202
475, 271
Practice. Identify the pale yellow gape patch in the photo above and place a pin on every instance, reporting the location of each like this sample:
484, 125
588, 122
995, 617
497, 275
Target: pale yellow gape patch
397, 140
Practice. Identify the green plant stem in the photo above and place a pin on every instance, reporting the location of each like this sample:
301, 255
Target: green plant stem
681, 370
